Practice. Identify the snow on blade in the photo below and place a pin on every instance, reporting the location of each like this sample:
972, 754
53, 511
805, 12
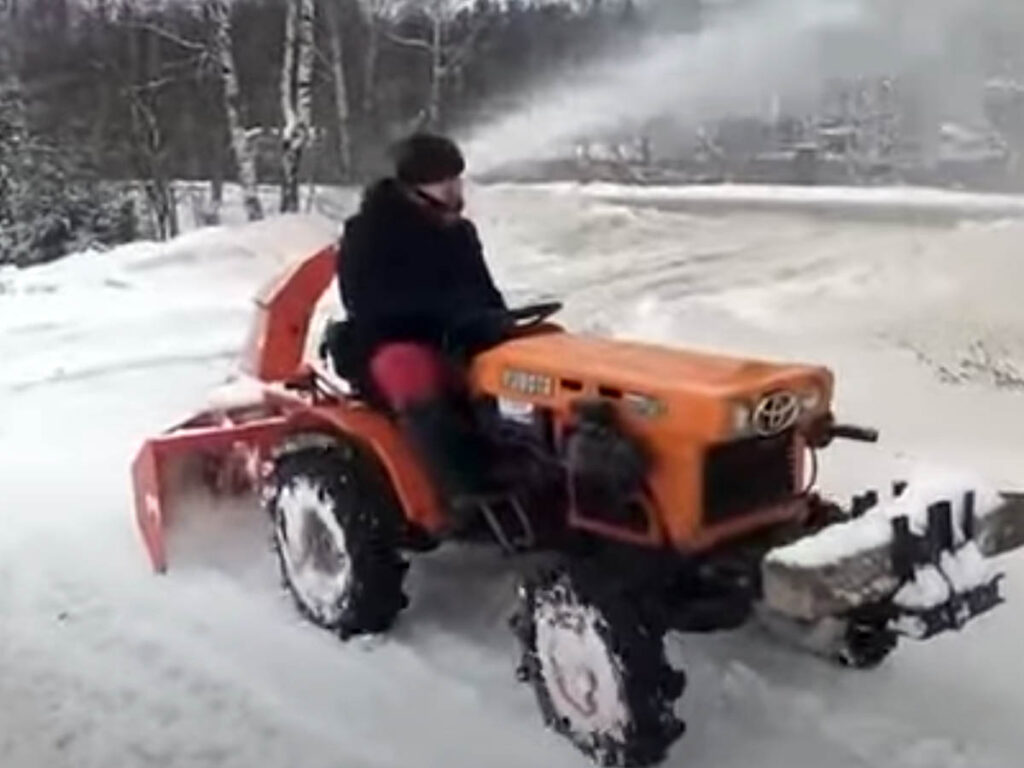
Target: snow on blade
238, 392
874, 529
927, 589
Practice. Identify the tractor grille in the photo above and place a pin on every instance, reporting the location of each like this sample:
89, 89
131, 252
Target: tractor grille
747, 475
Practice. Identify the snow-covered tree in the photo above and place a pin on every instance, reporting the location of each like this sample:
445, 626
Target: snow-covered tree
49, 204
241, 138
335, 36
296, 97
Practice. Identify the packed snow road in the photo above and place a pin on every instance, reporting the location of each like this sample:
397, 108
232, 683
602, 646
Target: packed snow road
103, 664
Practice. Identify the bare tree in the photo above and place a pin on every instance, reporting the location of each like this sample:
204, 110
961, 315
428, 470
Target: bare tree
10, 48
10, 109
148, 156
241, 139
341, 105
8, 39
447, 55
375, 12
437, 12
146, 79
217, 52
296, 97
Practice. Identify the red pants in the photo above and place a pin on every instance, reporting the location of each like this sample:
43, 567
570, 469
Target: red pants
406, 373
417, 382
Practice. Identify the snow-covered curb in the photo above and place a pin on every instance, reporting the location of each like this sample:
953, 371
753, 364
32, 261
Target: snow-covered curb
870, 202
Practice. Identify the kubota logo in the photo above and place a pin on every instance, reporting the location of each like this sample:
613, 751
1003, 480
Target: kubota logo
776, 412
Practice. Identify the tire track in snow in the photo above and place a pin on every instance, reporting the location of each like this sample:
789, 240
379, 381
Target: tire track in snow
163, 670
116, 368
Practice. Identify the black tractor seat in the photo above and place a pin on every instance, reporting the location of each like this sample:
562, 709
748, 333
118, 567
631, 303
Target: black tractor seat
338, 351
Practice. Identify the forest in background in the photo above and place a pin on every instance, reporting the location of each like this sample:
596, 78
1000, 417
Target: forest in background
94, 92
106, 105
87, 67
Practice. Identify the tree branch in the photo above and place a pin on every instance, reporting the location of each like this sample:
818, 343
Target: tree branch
457, 59
154, 85
322, 58
168, 35
411, 42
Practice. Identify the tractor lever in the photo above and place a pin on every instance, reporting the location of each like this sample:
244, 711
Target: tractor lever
850, 432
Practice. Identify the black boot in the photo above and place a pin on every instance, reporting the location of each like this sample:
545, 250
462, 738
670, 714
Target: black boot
454, 453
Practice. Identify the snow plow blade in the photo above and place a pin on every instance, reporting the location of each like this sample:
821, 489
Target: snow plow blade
228, 445
229, 436
929, 570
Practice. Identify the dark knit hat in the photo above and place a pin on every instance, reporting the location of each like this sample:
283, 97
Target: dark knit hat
426, 158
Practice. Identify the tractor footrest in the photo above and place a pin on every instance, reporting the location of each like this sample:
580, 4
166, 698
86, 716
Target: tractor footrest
506, 519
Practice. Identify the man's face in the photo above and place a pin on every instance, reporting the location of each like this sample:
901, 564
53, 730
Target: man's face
449, 193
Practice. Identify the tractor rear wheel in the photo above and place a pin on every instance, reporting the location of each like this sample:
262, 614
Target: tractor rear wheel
335, 538
597, 667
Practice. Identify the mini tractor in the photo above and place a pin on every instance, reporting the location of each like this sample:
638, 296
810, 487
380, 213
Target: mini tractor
673, 489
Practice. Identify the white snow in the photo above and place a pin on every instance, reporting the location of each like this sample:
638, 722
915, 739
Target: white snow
102, 663
887, 202
239, 391
927, 589
966, 568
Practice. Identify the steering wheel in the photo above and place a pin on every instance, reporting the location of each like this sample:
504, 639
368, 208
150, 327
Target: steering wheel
529, 317
490, 327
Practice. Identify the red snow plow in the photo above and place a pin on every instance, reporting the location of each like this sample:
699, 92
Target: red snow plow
672, 489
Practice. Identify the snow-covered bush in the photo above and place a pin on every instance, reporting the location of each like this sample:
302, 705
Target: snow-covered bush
50, 203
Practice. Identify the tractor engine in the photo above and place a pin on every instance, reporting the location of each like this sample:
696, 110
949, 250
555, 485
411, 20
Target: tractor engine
607, 469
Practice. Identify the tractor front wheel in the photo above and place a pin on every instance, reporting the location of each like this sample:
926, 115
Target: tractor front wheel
597, 667
335, 539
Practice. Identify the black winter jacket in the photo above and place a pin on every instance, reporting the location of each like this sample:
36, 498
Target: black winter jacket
404, 277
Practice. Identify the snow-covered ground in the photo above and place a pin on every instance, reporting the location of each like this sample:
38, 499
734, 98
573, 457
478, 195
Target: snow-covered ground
103, 664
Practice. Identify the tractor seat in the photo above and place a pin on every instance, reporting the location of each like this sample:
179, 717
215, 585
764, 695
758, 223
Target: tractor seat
339, 352
337, 349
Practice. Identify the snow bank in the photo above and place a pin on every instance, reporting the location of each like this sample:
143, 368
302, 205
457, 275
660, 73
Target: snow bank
147, 304
891, 203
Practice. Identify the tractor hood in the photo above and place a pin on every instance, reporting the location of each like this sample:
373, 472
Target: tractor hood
699, 388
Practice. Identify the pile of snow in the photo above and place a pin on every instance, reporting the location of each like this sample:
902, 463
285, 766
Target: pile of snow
956, 573
126, 298
239, 391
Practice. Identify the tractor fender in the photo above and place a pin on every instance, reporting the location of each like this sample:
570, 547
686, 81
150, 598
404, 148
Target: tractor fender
322, 425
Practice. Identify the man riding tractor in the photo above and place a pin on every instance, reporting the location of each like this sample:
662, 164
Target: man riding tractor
418, 293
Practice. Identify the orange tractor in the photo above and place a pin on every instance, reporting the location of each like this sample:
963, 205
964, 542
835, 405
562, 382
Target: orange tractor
673, 489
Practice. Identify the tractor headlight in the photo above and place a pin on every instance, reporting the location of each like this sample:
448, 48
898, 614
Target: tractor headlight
644, 405
742, 415
811, 398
